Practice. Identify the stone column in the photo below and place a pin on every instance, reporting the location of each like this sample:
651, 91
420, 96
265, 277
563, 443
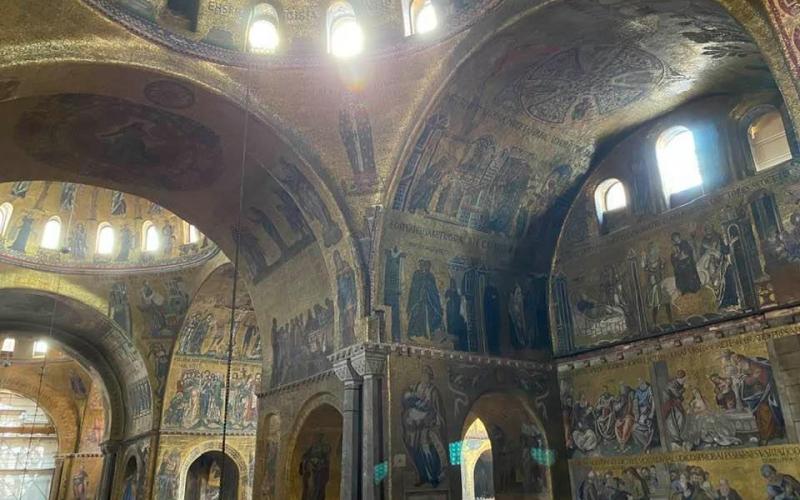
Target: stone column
370, 366
55, 483
109, 449
351, 428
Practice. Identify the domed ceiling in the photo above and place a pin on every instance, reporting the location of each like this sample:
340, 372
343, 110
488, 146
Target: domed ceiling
78, 215
215, 30
519, 123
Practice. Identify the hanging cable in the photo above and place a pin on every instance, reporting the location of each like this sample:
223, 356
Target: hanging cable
65, 249
237, 242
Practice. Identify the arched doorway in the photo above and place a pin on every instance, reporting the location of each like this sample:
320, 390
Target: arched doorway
205, 475
315, 469
477, 467
27, 449
504, 450
130, 485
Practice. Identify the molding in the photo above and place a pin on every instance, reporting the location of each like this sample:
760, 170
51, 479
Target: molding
208, 433
764, 453
296, 385
783, 323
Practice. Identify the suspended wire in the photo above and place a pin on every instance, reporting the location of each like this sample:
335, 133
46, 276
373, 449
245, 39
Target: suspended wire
237, 242
65, 249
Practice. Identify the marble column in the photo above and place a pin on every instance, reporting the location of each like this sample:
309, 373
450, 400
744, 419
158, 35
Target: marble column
55, 482
370, 366
109, 449
351, 429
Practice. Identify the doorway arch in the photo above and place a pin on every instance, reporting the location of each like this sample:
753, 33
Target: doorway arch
315, 467
477, 468
205, 474
502, 434
130, 483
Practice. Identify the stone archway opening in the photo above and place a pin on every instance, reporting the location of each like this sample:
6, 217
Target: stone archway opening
205, 475
129, 488
504, 451
477, 464
315, 468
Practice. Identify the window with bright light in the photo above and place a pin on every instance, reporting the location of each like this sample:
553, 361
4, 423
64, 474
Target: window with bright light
152, 240
28, 448
768, 143
345, 37
105, 239
610, 197
6, 209
677, 161
51, 236
193, 235
9, 344
425, 19
263, 36
39, 349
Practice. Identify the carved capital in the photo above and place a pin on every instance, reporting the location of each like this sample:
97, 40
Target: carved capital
109, 447
344, 370
369, 364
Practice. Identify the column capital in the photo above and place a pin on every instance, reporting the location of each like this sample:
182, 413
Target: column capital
344, 370
369, 363
109, 447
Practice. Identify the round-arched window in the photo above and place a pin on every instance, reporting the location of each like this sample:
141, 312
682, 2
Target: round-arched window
677, 161
105, 239
51, 236
345, 37
151, 239
768, 143
610, 196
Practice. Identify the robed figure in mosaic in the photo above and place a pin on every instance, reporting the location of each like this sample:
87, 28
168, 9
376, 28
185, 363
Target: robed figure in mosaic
424, 304
424, 429
315, 467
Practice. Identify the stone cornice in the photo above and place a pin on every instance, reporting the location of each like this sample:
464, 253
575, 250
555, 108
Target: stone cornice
292, 386
373, 349
764, 453
209, 433
785, 322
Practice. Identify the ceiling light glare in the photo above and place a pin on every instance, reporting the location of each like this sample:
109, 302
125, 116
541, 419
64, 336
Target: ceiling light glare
426, 18
347, 39
263, 37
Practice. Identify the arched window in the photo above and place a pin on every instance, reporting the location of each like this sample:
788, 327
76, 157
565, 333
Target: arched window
610, 196
423, 17
28, 452
105, 239
9, 344
51, 236
677, 163
151, 240
192, 234
768, 143
6, 209
345, 37
39, 349
262, 34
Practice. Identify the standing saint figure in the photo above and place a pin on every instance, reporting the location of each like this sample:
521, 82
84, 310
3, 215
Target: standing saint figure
424, 307
424, 429
80, 484
346, 298
683, 264
673, 410
315, 468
